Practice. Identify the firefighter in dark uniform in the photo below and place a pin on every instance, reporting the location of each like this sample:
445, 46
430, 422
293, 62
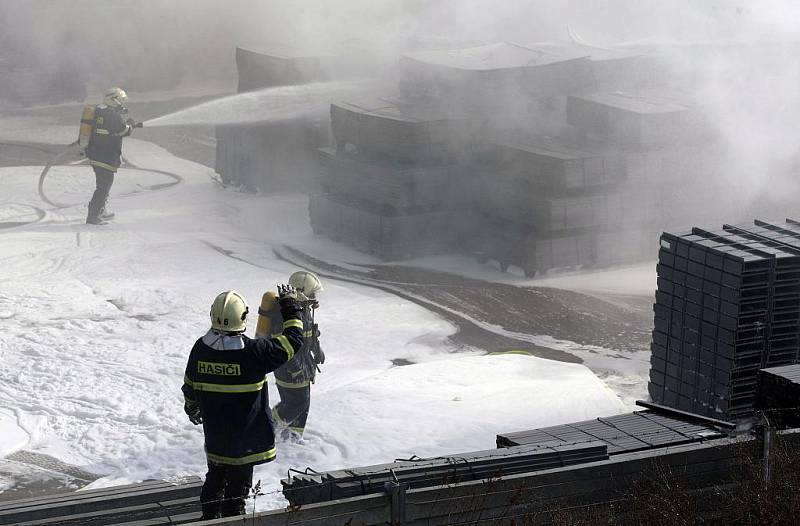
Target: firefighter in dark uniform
294, 379
111, 124
225, 390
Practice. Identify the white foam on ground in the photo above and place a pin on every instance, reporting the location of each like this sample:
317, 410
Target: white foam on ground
12, 436
96, 324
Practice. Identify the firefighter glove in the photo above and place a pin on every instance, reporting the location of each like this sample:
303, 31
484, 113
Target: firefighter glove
138, 125
289, 302
193, 412
316, 350
319, 355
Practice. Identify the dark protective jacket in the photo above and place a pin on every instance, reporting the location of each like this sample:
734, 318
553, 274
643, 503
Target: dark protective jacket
105, 144
225, 378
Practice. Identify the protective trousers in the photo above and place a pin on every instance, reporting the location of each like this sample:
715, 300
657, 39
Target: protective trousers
225, 490
292, 410
104, 179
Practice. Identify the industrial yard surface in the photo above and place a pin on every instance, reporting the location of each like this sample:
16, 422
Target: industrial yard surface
146, 305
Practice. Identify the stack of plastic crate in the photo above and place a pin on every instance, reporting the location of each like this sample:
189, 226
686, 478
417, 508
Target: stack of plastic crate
544, 199
727, 305
779, 395
387, 188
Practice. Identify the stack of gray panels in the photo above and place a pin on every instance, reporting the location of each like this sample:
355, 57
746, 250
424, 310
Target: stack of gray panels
390, 185
398, 131
637, 431
388, 188
269, 157
494, 77
670, 161
152, 503
372, 229
635, 118
614, 69
542, 203
307, 488
510, 243
278, 157
779, 395
284, 66
727, 305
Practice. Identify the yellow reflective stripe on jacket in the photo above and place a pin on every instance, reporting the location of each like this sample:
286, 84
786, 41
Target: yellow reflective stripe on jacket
292, 323
188, 381
239, 461
187, 400
308, 334
286, 346
101, 131
224, 388
293, 385
103, 165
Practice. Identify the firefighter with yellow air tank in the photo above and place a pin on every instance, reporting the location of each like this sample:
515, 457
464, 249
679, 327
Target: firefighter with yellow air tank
102, 129
294, 378
225, 390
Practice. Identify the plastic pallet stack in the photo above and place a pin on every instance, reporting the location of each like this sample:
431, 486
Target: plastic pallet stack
269, 157
541, 203
277, 157
387, 188
727, 305
626, 433
668, 162
779, 395
151, 503
495, 78
306, 488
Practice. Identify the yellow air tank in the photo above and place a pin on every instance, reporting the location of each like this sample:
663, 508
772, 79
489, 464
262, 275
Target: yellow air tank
87, 124
264, 326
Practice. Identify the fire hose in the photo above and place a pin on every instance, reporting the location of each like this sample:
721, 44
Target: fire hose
70, 148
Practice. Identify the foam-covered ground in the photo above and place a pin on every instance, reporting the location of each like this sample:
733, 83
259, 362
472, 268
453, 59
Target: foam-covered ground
96, 324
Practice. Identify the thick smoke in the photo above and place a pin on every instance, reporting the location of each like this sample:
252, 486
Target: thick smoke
147, 44
737, 58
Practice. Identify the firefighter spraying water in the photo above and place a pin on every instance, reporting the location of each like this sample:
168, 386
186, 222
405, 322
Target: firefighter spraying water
102, 129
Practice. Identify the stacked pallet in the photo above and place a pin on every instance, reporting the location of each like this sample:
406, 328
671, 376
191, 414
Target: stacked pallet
669, 156
260, 68
779, 395
151, 503
541, 204
626, 433
276, 157
388, 187
634, 119
492, 76
727, 305
613, 69
308, 488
